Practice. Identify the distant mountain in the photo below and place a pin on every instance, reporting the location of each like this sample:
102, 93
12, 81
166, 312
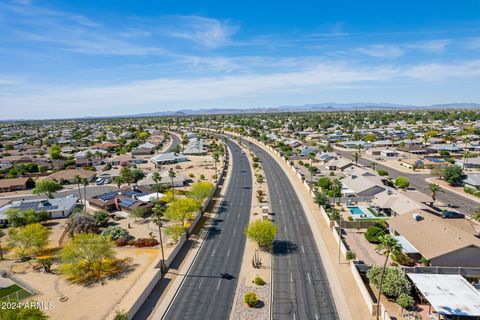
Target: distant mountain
305, 108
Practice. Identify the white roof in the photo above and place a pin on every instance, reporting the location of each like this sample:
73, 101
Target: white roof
406, 245
448, 294
148, 197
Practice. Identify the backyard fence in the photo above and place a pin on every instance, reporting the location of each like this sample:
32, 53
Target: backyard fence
463, 271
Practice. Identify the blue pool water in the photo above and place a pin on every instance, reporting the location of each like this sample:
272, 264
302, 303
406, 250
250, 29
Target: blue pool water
355, 210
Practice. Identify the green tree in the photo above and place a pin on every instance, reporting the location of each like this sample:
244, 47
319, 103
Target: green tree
394, 283
321, 198
101, 217
453, 174
262, 232
55, 152
324, 183
387, 246
78, 181
86, 256
47, 187
81, 222
402, 182
370, 137
28, 240
201, 190
405, 300
181, 210
18, 218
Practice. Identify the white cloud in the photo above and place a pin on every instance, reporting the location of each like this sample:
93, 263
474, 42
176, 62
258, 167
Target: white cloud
381, 51
148, 94
435, 46
204, 31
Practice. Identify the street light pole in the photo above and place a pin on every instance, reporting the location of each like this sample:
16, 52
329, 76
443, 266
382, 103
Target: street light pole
339, 236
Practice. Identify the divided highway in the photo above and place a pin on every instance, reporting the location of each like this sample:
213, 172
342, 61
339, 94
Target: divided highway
300, 286
205, 294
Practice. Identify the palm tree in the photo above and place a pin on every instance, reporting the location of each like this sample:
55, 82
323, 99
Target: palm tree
466, 154
158, 212
311, 156
426, 137
336, 187
118, 181
85, 184
434, 188
172, 175
374, 165
410, 136
78, 181
298, 151
356, 156
328, 147
216, 156
157, 179
387, 246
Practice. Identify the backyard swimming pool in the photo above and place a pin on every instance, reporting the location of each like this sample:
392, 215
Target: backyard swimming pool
360, 212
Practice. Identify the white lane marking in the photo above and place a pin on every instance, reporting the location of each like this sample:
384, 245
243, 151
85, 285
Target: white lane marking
285, 228
228, 253
316, 317
303, 249
213, 253
294, 316
200, 285
308, 276
291, 277
296, 227
234, 231
218, 285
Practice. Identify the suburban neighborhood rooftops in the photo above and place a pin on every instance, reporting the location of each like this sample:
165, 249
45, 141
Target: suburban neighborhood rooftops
56, 204
168, 157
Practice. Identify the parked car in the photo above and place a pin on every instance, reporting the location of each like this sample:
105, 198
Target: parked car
447, 214
99, 181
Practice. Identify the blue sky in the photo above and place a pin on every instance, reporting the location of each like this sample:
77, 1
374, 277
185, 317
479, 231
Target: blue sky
94, 58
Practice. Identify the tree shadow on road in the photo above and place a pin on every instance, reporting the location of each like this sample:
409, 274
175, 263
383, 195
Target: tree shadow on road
284, 247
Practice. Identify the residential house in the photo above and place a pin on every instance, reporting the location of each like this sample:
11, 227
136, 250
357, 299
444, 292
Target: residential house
126, 200
383, 152
68, 176
362, 183
441, 242
144, 149
423, 163
56, 208
469, 163
168, 158
15, 184
338, 164
472, 181
178, 181
397, 202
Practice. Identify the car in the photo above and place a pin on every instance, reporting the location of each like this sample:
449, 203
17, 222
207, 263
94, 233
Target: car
448, 214
242, 152
99, 181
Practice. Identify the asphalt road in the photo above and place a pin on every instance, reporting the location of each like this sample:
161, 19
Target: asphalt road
417, 181
300, 285
92, 190
175, 143
204, 294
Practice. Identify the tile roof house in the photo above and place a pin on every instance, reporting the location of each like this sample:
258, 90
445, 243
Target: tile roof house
68, 176
438, 240
168, 158
362, 183
125, 200
15, 184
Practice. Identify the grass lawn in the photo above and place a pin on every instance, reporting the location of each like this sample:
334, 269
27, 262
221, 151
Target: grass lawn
11, 290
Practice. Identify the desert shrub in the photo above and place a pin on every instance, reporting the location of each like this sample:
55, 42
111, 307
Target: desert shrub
350, 255
123, 241
259, 281
405, 300
404, 260
382, 172
250, 298
145, 242
114, 232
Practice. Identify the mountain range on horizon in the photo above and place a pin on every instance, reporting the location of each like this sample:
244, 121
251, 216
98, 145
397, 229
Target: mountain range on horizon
318, 107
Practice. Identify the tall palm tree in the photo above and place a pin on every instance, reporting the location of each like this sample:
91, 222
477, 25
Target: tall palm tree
311, 156
434, 189
387, 246
410, 136
172, 175
356, 156
157, 179
298, 151
216, 156
85, 184
374, 165
466, 140
158, 212
328, 147
78, 181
